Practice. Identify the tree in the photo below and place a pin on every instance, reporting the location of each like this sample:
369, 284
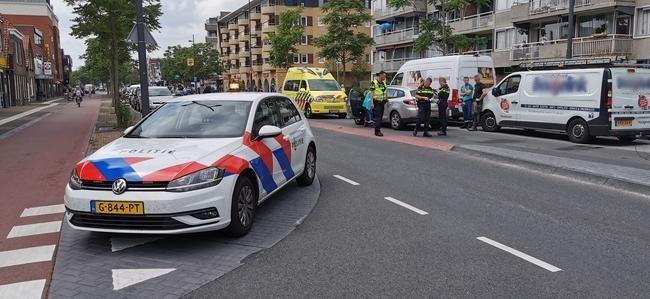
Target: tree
207, 62
286, 37
437, 33
343, 42
109, 23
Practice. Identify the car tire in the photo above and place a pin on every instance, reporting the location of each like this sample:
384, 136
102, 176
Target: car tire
626, 139
578, 131
308, 113
396, 121
309, 173
343, 115
242, 211
489, 122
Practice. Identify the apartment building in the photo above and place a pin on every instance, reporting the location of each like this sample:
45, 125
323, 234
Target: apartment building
524, 34
244, 42
212, 29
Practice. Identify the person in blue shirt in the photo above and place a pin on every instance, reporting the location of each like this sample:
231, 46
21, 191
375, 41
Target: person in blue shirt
467, 94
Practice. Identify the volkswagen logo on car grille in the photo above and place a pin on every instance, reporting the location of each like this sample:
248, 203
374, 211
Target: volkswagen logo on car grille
119, 186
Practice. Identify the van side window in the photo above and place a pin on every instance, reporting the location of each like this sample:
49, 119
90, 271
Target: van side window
292, 85
398, 79
510, 85
303, 84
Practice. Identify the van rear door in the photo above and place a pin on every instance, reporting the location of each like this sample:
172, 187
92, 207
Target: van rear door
630, 95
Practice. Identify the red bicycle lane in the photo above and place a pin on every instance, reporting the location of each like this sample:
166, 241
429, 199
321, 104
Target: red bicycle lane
35, 165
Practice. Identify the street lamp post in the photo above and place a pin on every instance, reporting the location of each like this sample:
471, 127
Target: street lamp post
192, 66
569, 42
142, 59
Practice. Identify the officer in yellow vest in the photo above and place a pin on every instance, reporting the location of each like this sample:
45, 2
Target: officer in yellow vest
379, 98
423, 95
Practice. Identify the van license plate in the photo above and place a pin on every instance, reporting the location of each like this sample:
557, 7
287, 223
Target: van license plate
333, 111
623, 122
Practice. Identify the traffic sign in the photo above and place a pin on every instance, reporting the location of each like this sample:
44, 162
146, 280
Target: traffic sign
190, 62
148, 38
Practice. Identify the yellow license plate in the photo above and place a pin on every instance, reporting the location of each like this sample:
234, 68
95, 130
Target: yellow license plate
623, 122
117, 207
333, 111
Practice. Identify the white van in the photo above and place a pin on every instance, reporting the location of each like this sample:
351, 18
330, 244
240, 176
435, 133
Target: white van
584, 103
452, 68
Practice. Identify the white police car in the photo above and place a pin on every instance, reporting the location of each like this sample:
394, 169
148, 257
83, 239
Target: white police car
197, 163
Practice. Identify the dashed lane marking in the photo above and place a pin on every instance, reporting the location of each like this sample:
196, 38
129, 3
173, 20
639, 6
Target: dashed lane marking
44, 210
349, 181
34, 229
405, 205
26, 113
24, 290
520, 254
26, 255
123, 278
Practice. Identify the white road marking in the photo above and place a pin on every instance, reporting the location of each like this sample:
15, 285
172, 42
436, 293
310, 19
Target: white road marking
349, 181
121, 243
408, 206
24, 290
34, 229
123, 278
44, 210
520, 255
26, 255
26, 113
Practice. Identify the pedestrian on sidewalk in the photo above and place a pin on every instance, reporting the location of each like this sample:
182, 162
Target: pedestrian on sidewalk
366, 117
467, 94
423, 95
443, 96
479, 95
379, 98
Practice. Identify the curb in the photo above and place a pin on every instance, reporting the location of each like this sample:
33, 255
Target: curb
546, 168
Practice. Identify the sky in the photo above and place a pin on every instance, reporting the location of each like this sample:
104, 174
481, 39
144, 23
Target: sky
180, 19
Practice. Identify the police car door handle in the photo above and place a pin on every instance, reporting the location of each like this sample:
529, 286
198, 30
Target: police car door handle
515, 102
629, 107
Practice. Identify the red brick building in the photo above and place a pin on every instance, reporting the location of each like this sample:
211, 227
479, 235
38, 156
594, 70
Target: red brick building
4, 62
44, 34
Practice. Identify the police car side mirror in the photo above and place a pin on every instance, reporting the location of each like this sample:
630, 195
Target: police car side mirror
269, 132
495, 92
127, 131
302, 90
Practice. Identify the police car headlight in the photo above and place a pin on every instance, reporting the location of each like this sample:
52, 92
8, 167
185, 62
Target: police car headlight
75, 181
204, 178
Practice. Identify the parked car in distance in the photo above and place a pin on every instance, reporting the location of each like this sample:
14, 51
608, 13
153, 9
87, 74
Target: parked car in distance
159, 95
401, 108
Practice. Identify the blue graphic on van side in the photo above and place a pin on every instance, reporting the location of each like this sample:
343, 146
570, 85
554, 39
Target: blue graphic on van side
556, 107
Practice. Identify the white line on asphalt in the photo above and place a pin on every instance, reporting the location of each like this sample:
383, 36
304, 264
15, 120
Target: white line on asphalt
44, 210
123, 278
32, 289
520, 255
26, 255
349, 181
34, 229
26, 113
408, 206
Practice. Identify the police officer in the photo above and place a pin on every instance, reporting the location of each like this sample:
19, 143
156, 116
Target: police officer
379, 98
423, 96
443, 96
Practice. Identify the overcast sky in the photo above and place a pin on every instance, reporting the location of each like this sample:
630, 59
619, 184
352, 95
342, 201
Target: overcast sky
180, 19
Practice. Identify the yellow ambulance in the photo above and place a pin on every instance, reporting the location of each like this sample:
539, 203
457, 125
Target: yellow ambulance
315, 91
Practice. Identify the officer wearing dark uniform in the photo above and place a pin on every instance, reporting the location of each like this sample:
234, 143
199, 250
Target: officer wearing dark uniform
423, 95
443, 96
379, 98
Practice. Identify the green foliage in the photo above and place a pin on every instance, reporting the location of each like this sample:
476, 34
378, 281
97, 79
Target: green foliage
123, 112
108, 22
342, 42
435, 33
207, 62
286, 37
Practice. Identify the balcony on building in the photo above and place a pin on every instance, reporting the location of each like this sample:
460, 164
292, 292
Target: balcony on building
472, 19
256, 49
258, 65
268, 7
232, 25
245, 51
396, 36
269, 27
243, 20
256, 15
212, 24
386, 13
234, 54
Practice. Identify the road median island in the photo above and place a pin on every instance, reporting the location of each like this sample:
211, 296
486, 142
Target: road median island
630, 179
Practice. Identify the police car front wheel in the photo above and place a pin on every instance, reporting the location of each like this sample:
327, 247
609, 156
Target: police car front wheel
309, 173
242, 211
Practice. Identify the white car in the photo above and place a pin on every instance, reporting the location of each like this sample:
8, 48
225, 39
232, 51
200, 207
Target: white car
198, 163
159, 95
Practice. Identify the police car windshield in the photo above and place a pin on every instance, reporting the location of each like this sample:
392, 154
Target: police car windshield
196, 119
324, 85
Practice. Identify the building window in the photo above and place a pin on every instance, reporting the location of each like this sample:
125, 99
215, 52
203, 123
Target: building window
504, 39
321, 60
303, 21
304, 40
503, 4
643, 21
296, 58
38, 40
623, 24
304, 59
598, 24
321, 21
